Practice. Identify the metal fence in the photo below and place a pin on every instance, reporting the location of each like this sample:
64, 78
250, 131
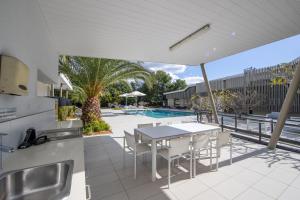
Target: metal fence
259, 129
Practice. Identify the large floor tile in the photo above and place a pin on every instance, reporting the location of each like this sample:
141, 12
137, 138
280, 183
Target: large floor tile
102, 179
143, 192
261, 167
106, 190
231, 170
97, 171
129, 182
296, 182
252, 194
270, 187
291, 193
189, 189
209, 195
288, 176
248, 177
230, 188
212, 178
118, 196
163, 196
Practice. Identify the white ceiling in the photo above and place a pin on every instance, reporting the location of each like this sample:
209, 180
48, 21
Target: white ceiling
144, 29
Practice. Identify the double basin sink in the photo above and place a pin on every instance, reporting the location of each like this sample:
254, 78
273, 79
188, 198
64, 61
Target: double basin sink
51, 181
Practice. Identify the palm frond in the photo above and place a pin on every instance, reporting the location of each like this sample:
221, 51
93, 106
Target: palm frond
94, 75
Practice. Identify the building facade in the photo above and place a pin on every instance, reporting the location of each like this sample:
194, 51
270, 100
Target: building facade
269, 96
180, 98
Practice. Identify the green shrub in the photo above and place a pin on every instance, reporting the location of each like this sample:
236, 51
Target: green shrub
65, 111
88, 129
96, 126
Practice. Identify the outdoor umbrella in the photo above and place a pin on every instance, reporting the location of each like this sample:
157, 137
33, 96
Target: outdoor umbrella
136, 94
126, 95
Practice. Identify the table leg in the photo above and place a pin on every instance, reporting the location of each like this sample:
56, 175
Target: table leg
153, 148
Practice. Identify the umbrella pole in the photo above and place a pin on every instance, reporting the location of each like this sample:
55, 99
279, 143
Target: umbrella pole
126, 101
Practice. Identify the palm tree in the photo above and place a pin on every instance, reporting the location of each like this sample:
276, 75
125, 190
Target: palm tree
92, 76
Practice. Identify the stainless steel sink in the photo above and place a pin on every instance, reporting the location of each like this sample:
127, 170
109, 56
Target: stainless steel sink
52, 181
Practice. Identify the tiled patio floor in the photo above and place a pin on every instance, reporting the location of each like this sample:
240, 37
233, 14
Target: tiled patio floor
256, 173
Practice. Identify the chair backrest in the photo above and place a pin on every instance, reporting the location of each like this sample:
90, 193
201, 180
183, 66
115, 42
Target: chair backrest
130, 139
223, 138
200, 141
145, 125
179, 146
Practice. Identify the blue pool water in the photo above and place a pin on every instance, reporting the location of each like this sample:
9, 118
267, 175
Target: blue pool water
159, 113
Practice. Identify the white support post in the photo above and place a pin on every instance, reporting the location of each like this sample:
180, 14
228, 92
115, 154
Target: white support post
52, 90
210, 96
288, 102
61, 90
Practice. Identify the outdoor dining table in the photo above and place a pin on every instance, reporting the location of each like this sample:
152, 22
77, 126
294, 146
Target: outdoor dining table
167, 132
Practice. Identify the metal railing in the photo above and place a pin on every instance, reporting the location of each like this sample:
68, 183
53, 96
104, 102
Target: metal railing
259, 129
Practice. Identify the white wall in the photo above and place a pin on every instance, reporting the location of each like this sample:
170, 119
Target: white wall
42, 89
24, 35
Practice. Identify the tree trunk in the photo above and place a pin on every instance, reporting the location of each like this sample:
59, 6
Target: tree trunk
91, 110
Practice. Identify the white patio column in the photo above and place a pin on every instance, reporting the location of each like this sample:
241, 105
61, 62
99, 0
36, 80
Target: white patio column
210, 96
61, 90
52, 90
287, 103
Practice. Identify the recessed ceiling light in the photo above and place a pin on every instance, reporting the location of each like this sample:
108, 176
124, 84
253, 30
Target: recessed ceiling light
214, 49
233, 33
190, 36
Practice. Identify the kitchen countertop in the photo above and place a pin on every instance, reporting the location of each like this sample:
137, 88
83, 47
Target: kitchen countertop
63, 126
51, 152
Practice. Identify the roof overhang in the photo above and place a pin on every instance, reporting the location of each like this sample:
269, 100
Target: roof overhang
183, 90
144, 30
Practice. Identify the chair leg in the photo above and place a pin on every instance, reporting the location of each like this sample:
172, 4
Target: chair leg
191, 164
134, 164
210, 160
217, 159
169, 172
230, 153
177, 162
195, 164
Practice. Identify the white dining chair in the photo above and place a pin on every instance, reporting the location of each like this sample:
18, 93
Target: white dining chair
200, 143
136, 148
179, 147
223, 139
144, 140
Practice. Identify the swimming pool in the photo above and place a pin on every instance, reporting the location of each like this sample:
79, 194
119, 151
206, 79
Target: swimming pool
159, 113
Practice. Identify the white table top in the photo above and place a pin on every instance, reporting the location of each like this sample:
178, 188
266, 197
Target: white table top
176, 130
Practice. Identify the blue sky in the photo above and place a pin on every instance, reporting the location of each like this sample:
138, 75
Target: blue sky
264, 56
